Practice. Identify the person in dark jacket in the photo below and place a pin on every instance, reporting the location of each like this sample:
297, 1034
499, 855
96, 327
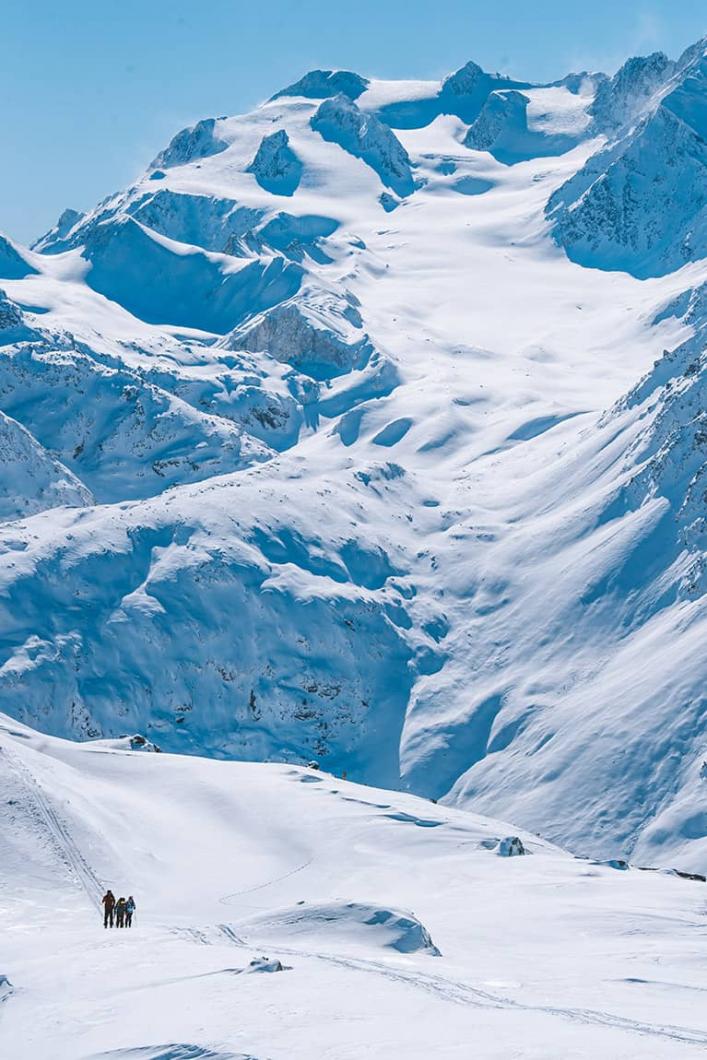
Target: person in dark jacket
129, 910
120, 913
108, 902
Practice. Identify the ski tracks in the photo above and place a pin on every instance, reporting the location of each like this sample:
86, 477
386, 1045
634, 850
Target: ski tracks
461, 993
57, 829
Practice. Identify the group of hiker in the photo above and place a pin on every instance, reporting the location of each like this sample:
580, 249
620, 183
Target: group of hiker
117, 913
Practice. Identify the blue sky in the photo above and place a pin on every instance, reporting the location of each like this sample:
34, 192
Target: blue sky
92, 89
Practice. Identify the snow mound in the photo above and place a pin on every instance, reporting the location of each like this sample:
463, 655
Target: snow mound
340, 121
170, 1051
276, 167
30, 479
322, 84
344, 925
198, 141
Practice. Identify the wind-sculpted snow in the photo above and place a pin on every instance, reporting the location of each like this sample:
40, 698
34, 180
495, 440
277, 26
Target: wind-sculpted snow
163, 282
462, 94
199, 220
502, 128
340, 121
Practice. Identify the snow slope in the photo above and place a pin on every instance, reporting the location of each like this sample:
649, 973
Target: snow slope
376, 422
280, 909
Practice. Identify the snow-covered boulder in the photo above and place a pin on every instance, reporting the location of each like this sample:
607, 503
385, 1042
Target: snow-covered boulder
340, 121
511, 847
276, 167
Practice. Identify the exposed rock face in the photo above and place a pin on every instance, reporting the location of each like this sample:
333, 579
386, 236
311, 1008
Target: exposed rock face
198, 141
640, 205
340, 121
276, 167
321, 84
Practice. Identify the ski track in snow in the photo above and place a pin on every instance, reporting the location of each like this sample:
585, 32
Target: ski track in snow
464, 994
268, 883
57, 830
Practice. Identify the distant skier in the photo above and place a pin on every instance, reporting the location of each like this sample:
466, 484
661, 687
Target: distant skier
108, 901
129, 910
120, 913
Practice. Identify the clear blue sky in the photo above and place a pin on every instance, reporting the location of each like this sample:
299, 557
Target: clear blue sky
92, 89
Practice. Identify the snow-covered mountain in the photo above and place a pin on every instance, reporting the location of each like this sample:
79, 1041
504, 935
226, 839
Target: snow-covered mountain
369, 427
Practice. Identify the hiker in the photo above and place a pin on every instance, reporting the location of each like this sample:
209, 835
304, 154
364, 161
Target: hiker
120, 913
129, 910
108, 901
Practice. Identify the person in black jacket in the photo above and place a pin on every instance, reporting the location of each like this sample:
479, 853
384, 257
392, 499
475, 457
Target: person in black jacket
108, 902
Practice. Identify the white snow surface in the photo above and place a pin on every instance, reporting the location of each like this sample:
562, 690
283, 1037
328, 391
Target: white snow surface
281, 910
316, 444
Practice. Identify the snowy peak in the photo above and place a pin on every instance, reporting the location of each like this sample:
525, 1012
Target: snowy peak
620, 100
640, 204
340, 121
198, 141
321, 84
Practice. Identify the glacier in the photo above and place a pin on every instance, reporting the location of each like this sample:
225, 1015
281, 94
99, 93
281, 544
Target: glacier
369, 428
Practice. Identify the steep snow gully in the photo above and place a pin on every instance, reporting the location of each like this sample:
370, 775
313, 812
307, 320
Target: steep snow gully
369, 428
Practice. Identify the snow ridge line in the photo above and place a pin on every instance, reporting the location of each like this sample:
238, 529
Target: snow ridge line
58, 830
464, 994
